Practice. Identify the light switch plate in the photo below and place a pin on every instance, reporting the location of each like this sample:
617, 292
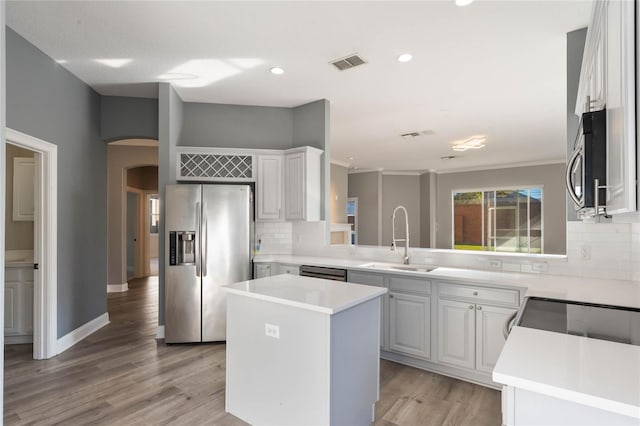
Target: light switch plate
272, 330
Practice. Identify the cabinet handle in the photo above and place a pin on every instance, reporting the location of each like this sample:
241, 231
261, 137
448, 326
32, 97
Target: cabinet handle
391, 296
470, 306
479, 308
475, 293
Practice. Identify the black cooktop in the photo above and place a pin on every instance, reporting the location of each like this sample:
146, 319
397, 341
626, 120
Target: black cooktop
605, 322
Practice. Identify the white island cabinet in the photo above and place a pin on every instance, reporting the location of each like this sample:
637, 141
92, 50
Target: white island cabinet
302, 351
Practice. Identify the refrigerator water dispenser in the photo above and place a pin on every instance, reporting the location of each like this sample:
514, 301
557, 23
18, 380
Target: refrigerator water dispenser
182, 247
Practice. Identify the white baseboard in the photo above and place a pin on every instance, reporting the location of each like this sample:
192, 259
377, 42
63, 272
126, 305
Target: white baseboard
117, 288
18, 340
160, 333
70, 339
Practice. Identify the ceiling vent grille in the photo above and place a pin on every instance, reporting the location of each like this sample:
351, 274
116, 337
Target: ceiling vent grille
350, 61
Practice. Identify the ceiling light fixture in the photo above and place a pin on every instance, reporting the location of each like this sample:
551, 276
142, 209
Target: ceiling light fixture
61, 61
114, 63
277, 70
463, 2
405, 57
474, 142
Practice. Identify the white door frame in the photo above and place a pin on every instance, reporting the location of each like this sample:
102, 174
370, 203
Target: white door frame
45, 281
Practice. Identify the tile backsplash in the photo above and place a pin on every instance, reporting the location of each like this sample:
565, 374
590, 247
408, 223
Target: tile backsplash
274, 237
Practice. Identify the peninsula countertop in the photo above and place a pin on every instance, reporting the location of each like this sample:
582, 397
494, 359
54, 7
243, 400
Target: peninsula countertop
325, 296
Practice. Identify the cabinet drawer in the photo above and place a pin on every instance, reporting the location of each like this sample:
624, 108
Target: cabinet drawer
289, 269
365, 278
410, 284
480, 294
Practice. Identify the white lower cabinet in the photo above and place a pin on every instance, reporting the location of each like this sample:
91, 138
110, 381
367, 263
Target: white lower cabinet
470, 332
18, 304
288, 269
409, 323
456, 333
262, 270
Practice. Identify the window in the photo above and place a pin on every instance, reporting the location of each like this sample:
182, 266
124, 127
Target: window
503, 220
154, 208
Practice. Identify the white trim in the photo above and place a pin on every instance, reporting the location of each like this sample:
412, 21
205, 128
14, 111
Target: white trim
501, 166
45, 285
160, 332
18, 340
80, 333
341, 163
117, 288
355, 171
401, 173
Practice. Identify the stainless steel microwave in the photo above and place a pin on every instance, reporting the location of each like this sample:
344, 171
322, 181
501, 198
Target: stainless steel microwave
588, 162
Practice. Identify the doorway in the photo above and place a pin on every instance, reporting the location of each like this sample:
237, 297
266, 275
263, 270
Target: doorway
132, 234
39, 263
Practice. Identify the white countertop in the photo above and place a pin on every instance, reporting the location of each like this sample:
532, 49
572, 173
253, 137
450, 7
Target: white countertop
325, 296
592, 372
592, 290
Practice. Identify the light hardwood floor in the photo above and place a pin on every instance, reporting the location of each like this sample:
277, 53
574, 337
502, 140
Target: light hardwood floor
122, 375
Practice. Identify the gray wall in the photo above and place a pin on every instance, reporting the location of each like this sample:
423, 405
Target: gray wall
311, 128
551, 177
425, 210
18, 234
401, 190
339, 191
128, 118
366, 187
236, 126
46, 101
119, 159
575, 50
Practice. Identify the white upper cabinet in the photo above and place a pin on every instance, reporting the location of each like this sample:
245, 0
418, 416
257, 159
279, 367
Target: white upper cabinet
620, 104
607, 80
23, 188
269, 187
302, 196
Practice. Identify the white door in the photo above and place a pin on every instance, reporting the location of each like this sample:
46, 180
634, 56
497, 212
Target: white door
489, 335
269, 187
294, 177
456, 333
409, 323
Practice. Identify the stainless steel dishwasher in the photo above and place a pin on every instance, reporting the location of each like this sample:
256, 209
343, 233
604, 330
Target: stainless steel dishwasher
334, 274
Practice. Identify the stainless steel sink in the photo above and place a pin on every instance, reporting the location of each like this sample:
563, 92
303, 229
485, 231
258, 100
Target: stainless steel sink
400, 267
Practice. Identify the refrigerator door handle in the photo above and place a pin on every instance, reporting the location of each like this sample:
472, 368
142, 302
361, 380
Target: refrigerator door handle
204, 239
198, 239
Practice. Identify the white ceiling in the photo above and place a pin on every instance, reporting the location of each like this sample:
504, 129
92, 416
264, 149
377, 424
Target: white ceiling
494, 68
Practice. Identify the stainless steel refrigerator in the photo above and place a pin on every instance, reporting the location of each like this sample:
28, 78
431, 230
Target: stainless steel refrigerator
207, 244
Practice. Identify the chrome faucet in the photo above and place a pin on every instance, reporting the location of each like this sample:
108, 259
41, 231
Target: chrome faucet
406, 233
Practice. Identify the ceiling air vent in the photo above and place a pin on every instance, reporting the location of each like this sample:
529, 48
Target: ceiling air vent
350, 61
413, 135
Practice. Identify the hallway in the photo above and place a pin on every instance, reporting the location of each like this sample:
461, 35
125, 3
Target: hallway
123, 375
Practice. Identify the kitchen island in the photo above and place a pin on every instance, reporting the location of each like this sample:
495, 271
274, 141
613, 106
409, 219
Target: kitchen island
302, 351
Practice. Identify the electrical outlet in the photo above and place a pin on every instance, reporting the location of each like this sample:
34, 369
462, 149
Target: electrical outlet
495, 264
585, 252
272, 330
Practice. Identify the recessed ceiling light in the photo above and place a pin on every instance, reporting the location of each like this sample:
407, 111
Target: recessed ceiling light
61, 61
463, 2
350, 158
176, 76
474, 142
277, 70
113, 63
405, 57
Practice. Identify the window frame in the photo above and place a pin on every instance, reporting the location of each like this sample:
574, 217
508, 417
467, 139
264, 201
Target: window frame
482, 190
